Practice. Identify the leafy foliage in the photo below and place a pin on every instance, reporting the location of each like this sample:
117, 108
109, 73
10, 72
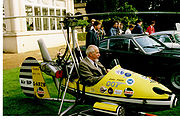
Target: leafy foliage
156, 5
82, 22
163, 22
113, 6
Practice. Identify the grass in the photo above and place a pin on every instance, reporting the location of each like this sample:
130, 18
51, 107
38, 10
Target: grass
15, 103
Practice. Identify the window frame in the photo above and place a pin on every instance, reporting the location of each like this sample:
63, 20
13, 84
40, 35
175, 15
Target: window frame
107, 44
42, 19
128, 47
35, 27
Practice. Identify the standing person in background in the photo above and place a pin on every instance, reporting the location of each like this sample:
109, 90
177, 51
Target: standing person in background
92, 37
113, 31
128, 31
102, 32
138, 29
120, 27
151, 29
90, 26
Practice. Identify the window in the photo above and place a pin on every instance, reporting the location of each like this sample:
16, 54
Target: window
58, 13
148, 44
45, 20
119, 44
52, 20
4, 21
132, 46
163, 38
177, 37
43, 23
37, 12
29, 21
63, 12
104, 44
53, 1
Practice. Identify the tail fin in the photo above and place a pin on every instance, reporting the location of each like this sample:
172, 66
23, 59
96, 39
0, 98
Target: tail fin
178, 26
31, 79
44, 52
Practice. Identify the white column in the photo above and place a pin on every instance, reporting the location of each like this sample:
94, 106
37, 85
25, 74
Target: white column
67, 6
15, 8
72, 7
42, 23
55, 18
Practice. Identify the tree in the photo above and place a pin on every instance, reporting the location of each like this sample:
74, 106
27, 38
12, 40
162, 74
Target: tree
163, 22
156, 5
80, 1
101, 6
98, 6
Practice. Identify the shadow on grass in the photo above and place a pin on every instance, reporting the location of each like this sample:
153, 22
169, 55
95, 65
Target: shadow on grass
34, 107
29, 107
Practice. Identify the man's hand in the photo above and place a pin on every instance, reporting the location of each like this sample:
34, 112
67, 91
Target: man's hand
108, 70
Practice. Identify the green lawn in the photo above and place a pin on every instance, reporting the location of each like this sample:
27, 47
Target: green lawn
15, 103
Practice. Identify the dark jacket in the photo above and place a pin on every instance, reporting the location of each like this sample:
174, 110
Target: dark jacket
92, 38
89, 74
137, 29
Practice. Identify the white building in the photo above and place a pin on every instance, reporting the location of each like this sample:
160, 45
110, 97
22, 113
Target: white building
21, 34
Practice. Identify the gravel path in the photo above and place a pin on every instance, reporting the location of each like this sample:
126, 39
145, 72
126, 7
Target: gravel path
15, 60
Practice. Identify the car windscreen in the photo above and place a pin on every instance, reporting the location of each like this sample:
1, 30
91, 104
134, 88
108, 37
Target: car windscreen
148, 44
177, 37
164, 38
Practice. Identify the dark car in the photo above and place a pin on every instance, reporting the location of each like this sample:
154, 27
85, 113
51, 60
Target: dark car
142, 54
170, 38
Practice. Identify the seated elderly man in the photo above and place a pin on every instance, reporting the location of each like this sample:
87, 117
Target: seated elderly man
91, 71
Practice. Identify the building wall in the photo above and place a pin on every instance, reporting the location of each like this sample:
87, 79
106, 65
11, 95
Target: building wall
21, 34
80, 8
28, 42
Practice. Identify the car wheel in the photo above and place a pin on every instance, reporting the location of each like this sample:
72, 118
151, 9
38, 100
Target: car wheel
175, 80
121, 111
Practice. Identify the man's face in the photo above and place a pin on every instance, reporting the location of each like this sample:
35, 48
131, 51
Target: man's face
140, 23
98, 27
95, 55
116, 25
131, 29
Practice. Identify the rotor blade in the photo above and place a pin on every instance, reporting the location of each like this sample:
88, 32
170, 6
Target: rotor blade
126, 13
96, 14
37, 16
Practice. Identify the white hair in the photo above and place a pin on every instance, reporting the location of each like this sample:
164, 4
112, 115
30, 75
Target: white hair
91, 49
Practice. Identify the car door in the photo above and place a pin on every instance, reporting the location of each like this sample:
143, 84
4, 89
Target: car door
104, 53
122, 49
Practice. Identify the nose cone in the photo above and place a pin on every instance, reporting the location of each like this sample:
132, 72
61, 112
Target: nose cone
140, 89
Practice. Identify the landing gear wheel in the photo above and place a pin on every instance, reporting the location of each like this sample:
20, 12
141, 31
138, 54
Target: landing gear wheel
175, 80
121, 111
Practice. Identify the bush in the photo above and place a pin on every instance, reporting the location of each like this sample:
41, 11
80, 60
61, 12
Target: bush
81, 36
82, 23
